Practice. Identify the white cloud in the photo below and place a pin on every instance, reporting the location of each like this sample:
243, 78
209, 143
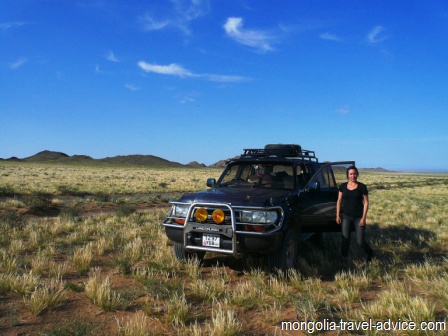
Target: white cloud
17, 64
225, 78
252, 38
330, 37
344, 110
185, 11
187, 100
148, 23
376, 35
191, 9
132, 87
12, 24
174, 69
111, 57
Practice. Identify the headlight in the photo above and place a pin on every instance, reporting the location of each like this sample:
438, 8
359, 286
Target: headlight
246, 216
218, 216
180, 210
267, 217
201, 214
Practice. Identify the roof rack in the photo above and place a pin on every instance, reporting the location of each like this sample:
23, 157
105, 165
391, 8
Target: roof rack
280, 151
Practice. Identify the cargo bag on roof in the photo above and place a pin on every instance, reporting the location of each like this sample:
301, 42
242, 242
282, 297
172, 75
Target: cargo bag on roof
284, 149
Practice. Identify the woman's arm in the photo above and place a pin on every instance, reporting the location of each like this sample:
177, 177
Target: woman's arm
366, 209
338, 208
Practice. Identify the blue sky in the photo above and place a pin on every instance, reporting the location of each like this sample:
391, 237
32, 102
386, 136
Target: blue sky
200, 80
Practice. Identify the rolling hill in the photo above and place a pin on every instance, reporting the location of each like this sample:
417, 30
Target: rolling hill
47, 156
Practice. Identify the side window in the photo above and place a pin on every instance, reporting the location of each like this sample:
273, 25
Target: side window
325, 178
329, 177
321, 178
339, 172
300, 177
332, 175
307, 172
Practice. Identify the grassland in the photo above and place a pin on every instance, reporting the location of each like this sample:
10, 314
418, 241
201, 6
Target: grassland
82, 252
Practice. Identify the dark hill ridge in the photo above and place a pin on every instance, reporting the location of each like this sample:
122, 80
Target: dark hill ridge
139, 160
47, 156
375, 170
195, 164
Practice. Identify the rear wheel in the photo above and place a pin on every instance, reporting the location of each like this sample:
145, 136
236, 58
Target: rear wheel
318, 239
286, 257
181, 254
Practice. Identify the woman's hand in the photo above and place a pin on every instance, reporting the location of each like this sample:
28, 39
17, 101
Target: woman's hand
338, 219
362, 222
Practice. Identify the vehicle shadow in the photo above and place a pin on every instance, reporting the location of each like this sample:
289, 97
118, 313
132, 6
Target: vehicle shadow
404, 244
394, 247
241, 266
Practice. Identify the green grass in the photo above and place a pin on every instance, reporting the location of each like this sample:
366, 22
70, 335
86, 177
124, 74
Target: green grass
120, 267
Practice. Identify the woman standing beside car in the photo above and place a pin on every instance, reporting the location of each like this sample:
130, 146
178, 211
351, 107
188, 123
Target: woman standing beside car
353, 200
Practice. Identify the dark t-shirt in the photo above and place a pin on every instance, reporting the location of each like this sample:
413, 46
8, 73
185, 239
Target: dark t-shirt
352, 200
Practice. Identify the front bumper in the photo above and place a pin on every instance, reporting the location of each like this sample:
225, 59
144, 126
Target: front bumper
233, 236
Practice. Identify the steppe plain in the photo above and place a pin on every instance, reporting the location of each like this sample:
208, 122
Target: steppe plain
83, 252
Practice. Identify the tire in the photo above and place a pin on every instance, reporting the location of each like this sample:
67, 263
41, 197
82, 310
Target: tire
318, 239
182, 255
286, 257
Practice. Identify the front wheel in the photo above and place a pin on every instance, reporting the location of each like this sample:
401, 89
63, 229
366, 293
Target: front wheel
286, 257
181, 254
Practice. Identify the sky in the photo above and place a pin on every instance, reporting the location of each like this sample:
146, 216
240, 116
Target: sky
200, 80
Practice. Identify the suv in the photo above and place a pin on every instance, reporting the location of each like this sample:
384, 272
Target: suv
266, 201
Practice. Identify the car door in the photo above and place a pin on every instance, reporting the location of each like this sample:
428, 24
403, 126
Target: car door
318, 198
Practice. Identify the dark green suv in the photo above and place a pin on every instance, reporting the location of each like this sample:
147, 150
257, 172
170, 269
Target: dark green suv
266, 201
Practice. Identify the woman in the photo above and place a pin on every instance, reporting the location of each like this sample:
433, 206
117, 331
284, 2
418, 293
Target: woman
354, 199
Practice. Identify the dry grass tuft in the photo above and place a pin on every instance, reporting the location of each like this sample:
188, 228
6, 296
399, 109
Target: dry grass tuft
48, 295
100, 292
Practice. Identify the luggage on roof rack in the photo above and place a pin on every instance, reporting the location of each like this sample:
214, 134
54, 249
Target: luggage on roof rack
286, 150
281, 150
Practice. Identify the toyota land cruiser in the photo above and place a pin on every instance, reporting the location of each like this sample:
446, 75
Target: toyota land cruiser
266, 201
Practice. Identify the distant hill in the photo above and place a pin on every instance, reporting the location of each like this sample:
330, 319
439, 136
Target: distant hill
195, 164
13, 159
219, 164
139, 160
47, 156
222, 163
375, 170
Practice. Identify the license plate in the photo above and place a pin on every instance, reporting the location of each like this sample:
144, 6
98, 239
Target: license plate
210, 240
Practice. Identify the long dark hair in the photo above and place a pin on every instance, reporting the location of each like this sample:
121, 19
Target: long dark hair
352, 167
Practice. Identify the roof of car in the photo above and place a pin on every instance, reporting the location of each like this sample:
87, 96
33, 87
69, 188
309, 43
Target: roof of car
278, 152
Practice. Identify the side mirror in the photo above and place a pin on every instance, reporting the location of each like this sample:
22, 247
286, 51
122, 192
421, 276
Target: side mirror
211, 182
314, 186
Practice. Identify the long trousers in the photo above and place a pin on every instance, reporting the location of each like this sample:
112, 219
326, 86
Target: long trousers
347, 223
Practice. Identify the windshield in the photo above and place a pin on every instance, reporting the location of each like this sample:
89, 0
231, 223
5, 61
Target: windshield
258, 175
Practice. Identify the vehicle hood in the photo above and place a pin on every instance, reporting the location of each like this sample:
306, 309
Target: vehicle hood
237, 196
